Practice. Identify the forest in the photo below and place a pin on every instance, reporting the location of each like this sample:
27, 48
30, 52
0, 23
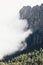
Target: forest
31, 58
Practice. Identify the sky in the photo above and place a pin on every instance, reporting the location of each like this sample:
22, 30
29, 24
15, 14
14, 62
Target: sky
11, 27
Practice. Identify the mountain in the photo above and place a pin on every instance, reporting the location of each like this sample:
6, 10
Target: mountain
34, 17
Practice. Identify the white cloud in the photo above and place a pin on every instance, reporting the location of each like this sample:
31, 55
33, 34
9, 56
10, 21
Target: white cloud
11, 28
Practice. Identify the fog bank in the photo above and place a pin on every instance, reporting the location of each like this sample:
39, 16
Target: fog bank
12, 31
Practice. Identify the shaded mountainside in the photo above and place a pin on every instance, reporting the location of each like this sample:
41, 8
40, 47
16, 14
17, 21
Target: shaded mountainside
35, 41
34, 17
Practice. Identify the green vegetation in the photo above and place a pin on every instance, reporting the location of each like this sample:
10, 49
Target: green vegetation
31, 58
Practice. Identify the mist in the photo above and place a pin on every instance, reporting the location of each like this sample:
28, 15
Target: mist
12, 28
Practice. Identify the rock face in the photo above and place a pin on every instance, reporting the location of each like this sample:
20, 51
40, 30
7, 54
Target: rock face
25, 12
34, 16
